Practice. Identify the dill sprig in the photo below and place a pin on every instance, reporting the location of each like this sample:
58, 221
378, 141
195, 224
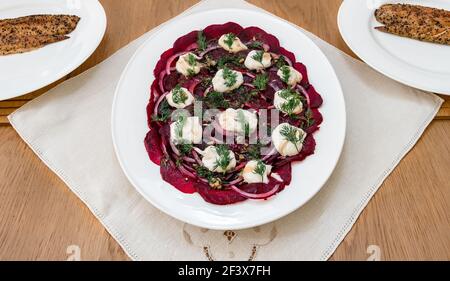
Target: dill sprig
281, 62
229, 39
286, 74
185, 148
178, 95
216, 100
192, 61
243, 122
293, 100
258, 56
229, 76
224, 157
261, 81
226, 60
201, 41
164, 112
255, 45
179, 125
260, 169
292, 134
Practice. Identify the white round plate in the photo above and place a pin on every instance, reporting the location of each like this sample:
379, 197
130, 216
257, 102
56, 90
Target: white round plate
129, 127
24, 73
418, 64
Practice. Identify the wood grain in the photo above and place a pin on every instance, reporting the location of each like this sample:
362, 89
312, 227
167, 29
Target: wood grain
39, 217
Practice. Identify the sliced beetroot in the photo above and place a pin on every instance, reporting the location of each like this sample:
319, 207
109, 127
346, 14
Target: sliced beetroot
218, 197
172, 175
314, 97
287, 54
184, 42
157, 139
318, 119
161, 65
153, 145
217, 30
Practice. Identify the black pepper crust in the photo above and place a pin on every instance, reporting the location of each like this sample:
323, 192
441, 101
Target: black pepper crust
416, 22
24, 34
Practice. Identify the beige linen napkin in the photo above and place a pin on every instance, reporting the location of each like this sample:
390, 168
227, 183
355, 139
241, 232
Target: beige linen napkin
69, 129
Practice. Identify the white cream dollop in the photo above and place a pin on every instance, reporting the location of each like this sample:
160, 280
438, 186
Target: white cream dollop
294, 75
285, 147
191, 132
231, 120
188, 64
210, 158
221, 85
236, 47
189, 98
250, 176
253, 64
279, 101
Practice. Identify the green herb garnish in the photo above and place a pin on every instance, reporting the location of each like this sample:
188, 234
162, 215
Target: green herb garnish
203, 172
260, 169
286, 74
254, 151
243, 122
224, 158
229, 76
164, 112
216, 100
291, 134
185, 148
201, 41
179, 125
229, 39
261, 81
255, 45
309, 118
225, 60
179, 95
281, 62
293, 100
192, 61
258, 56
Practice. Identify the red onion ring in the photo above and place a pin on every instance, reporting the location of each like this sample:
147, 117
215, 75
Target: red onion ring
249, 85
236, 181
209, 49
186, 172
174, 148
274, 87
256, 196
196, 157
171, 59
249, 74
155, 110
194, 85
305, 93
189, 159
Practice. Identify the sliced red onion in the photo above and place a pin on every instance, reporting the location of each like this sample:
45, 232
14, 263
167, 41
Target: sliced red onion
288, 60
305, 93
274, 86
189, 159
209, 49
266, 47
256, 196
174, 148
270, 154
171, 59
236, 181
186, 172
249, 74
249, 85
161, 98
194, 85
189, 168
196, 157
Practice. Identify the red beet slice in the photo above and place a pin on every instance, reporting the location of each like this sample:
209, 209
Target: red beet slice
153, 145
314, 97
173, 176
217, 30
218, 197
184, 42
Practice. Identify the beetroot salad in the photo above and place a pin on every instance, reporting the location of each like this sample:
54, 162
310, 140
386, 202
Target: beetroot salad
230, 110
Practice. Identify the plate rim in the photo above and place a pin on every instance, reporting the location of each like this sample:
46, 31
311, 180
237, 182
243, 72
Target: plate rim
103, 22
240, 225
347, 37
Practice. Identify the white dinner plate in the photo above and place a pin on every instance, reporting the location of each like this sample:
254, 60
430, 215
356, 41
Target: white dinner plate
24, 73
129, 127
422, 65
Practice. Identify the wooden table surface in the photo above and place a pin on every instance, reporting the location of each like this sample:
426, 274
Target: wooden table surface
40, 218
